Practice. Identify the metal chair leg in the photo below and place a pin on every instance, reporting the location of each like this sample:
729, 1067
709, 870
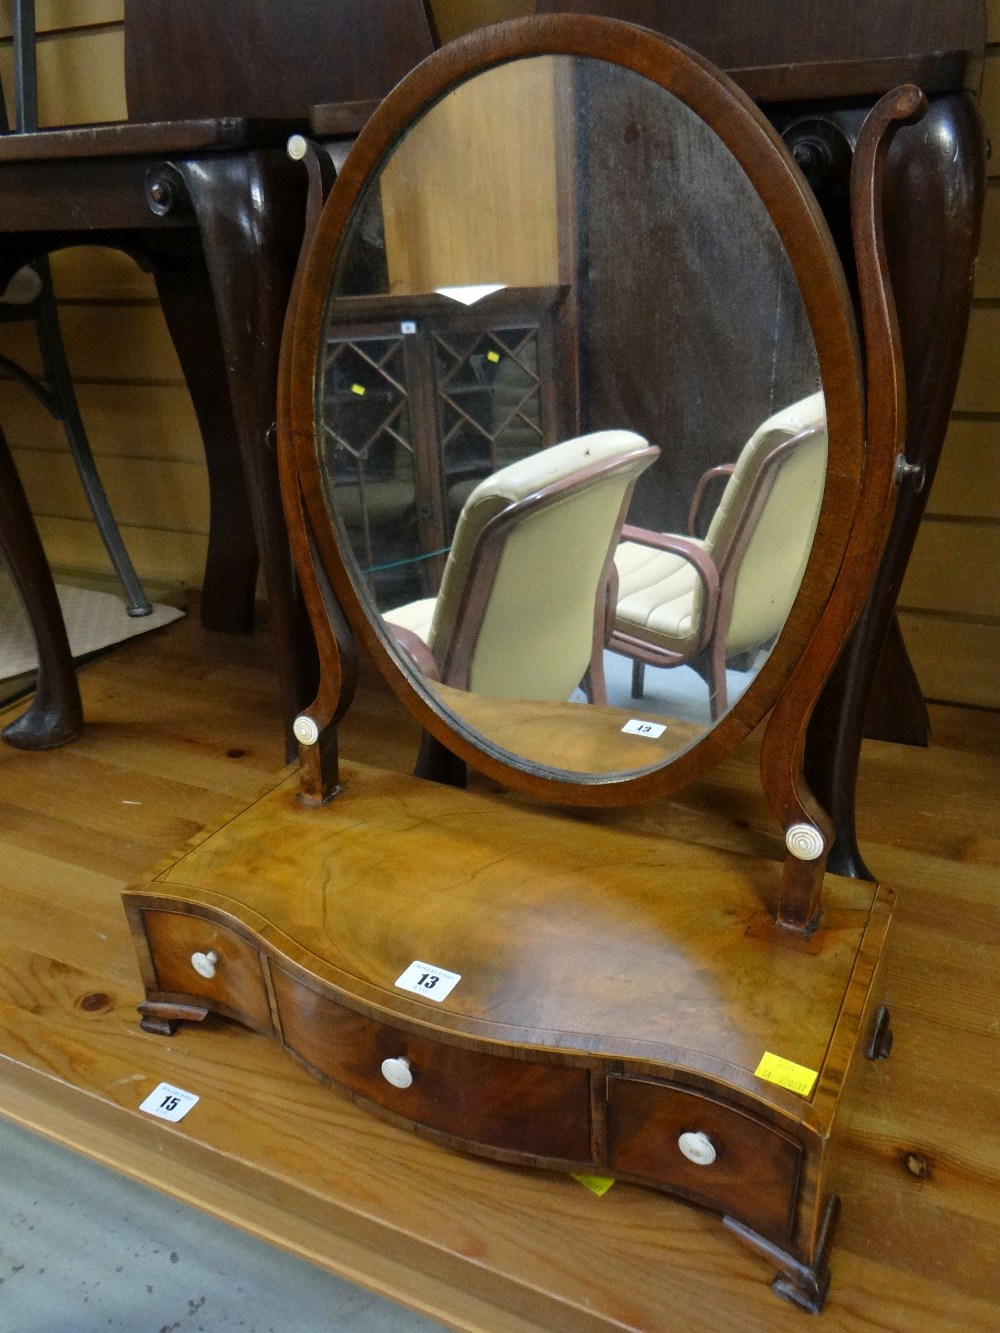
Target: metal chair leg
55, 714
57, 371
638, 678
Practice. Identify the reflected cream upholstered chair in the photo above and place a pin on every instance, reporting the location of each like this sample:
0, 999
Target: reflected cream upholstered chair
521, 612
681, 600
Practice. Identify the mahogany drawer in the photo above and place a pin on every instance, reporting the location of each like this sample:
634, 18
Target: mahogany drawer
520, 1107
754, 1176
237, 989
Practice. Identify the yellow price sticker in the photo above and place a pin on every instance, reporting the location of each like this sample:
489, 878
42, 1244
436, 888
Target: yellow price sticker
493, 356
598, 1185
359, 389
786, 1074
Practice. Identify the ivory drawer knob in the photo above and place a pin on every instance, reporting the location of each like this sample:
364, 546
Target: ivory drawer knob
697, 1147
396, 1071
204, 963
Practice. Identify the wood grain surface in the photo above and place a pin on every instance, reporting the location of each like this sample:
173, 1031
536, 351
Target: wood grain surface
589, 957
181, 726
462, 205
576, 737
398, 869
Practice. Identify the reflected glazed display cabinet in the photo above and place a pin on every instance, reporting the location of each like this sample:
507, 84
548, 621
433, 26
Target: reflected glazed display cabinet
586, 609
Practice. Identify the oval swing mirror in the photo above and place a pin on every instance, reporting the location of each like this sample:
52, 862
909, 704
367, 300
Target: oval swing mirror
584, 437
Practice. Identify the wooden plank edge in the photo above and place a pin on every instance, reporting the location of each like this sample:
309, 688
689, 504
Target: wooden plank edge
458, 1292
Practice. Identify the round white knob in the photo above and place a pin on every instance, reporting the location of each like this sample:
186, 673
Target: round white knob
305, 730
697, 1147
397, 1072
204, 963
804, 841
297, 148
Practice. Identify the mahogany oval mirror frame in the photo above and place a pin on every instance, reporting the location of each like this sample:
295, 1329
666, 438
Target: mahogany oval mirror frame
566, 993
578, 995
863, 440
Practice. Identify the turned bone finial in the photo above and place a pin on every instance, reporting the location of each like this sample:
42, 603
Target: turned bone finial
805, 841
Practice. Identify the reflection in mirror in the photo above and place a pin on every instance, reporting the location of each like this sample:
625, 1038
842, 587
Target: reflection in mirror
572, 427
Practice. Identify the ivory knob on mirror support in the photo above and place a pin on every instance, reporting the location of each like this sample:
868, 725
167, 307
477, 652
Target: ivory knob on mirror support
697, 1147
297, 147
805, 842
396, 1071
204, 963
305, 730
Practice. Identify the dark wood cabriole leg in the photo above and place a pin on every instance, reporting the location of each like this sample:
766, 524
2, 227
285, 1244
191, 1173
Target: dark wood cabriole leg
896, 710
249, 208
935, 183
55, 715
185, 292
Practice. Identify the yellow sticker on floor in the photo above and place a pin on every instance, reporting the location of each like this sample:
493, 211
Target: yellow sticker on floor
598, 1185
493, 356
359, 389
786, 1074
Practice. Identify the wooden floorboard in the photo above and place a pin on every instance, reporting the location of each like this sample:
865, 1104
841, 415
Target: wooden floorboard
182, 725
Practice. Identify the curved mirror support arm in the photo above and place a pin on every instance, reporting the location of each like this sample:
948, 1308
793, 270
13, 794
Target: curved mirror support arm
320, 174
315, 727
808, 828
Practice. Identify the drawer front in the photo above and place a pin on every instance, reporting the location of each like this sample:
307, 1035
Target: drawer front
518, 1106
755, 1172
238, 986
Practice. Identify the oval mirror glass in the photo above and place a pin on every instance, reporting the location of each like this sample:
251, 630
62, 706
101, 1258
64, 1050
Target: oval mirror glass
571, 427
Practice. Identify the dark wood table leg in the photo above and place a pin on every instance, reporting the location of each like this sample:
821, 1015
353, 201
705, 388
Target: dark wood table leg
185, 291
896, 710
250, 209
55, 715
934, 199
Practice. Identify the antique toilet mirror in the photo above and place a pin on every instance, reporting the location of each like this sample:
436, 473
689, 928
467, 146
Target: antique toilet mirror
569, 286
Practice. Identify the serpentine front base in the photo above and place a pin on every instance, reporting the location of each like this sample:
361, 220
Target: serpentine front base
540, 990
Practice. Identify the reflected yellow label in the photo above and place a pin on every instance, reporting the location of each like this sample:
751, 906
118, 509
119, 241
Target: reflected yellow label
786, 1074
598, 1185
493, 356
359, 389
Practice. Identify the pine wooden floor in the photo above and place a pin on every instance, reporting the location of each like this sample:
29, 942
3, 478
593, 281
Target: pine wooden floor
182, 725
